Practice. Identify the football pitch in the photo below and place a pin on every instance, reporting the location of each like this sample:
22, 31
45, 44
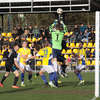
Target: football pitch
68, 90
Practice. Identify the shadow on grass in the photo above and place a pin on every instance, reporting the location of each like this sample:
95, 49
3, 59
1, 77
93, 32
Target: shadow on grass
87, 83
15, 90
64, 84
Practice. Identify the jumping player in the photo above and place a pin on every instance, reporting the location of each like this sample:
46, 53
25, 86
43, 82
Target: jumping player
57, 29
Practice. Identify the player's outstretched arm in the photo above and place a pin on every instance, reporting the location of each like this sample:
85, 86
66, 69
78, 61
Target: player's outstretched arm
52, 25
32, 57
64, 27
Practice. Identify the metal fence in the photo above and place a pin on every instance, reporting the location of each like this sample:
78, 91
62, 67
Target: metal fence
43, 6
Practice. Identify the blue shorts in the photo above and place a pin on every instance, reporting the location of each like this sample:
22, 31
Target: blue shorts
57, 54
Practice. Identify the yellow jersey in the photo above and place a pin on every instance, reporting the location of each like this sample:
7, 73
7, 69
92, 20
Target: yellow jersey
24, 53
45, 53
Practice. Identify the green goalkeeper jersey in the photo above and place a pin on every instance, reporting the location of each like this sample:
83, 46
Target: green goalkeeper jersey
57, 37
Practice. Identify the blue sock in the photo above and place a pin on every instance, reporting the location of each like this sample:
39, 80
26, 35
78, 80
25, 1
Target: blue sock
51, 77
79, 76
29, 76
44, 79
55, 78
22, 77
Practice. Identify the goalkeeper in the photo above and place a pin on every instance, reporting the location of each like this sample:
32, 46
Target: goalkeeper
57, 29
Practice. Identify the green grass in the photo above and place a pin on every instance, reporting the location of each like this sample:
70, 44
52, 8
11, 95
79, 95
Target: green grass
68, 90
98, 99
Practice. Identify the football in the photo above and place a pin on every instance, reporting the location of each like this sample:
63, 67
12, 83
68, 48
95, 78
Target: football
59, 11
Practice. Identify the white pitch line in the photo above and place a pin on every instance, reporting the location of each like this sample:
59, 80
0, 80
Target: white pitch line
94, 98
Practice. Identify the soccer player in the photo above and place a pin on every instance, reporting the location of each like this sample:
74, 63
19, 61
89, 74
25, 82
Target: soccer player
24, 54
11, 65
80, 67
57, 29
47, 65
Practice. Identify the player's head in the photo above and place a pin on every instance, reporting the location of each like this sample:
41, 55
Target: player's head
15, 46
59, 26
45, 44
37, 47
5, 45
24, 44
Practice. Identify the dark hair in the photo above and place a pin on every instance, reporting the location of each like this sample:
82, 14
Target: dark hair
37, 47
13, 45
59, 27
